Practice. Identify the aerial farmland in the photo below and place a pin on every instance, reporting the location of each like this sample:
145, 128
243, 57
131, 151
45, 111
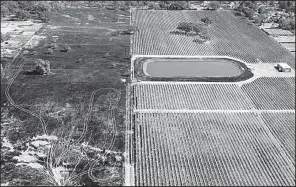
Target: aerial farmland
227, 118
138, 93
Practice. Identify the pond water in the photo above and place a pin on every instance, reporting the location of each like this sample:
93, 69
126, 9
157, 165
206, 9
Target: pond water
192, 68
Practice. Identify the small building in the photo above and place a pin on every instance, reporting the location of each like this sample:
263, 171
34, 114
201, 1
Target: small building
283, 67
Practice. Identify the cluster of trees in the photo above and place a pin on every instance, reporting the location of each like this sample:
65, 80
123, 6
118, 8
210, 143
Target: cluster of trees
200, 29
248, 8
167, 5
214, 5
42, 66
206, 20
287, 23
24, 10
174, 5
289, 6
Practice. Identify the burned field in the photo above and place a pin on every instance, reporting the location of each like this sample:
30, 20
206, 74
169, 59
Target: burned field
83, 97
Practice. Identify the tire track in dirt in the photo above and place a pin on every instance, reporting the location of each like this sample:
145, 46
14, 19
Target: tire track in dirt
85, 124
90, 107
95, 162
87, 118
43, 123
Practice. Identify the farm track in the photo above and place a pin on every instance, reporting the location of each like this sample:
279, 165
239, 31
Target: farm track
207, 111
114, 134
43, 123
88, 116
11, 80
129, 135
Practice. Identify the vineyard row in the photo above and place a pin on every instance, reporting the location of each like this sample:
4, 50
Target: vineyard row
190, 96
230, 36
207, 149
273, 93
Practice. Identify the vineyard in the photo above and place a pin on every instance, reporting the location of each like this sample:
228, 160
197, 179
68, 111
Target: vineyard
207, 149
190, 96
230, 36
291, 80
272, 93
282, 126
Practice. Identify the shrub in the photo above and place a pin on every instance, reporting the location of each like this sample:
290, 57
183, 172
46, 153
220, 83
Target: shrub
12, 6
287, 23
57, 6
249, 13
261, 10
4, 11
200, 29
252, 5
22, 15
5, 37
25, 5
197, 29
41, 6
258, 20
43, 16
185, 26
241, 7
153, 6
2, 71
163, 5
291, 9
178, 5
48, 51
283, 5
66, 49
214, 5
42, 67
206, 20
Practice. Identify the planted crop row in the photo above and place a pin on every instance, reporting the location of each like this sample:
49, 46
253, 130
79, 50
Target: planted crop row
190, 96
207, 149
291, 81
282, 126
271, 93
230, 36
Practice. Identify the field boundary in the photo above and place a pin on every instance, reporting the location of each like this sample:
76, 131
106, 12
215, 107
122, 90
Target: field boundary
11, 101
205, 111
128, 164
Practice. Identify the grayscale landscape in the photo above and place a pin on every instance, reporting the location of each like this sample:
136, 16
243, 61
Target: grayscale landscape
148, 93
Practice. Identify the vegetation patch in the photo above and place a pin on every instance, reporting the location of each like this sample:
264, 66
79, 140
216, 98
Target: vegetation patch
79, 103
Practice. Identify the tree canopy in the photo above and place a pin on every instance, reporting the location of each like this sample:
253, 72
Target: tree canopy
42, 66
26, 9
214, 5
206, 20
